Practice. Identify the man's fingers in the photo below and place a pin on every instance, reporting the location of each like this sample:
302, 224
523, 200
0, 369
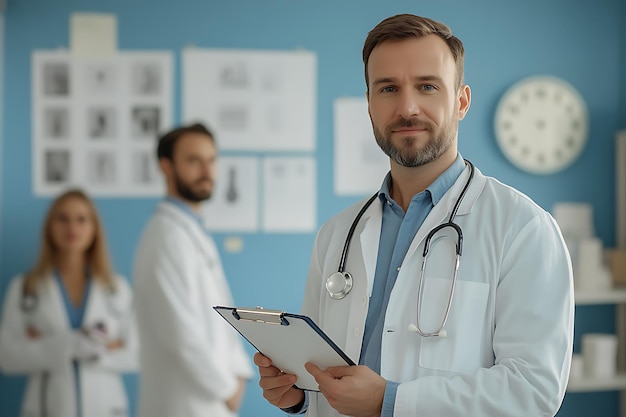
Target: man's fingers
312, 368
265, 365
278, 387
262, 360
277, 381
340, 371
320, 376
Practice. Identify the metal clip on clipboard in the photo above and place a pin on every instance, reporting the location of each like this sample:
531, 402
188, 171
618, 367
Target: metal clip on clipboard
260, 315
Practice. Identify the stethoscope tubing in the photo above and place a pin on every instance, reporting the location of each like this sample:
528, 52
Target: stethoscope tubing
30, 302
346, 246
331, 283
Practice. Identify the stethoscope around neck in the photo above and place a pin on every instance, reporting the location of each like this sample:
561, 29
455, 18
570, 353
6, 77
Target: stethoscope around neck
340, 283
29, 301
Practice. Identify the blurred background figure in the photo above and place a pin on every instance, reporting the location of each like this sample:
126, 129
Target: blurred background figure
193, 363
68, 323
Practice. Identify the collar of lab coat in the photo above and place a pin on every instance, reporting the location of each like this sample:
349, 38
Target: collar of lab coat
193, 228
96, 291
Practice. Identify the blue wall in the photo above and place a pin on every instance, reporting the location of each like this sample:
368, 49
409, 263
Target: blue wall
583, 43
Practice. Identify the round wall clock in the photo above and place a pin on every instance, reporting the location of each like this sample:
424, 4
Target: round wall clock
541, 124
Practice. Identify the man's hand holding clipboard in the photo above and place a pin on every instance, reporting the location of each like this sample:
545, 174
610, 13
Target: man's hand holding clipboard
343, 387
296, 355
278, 387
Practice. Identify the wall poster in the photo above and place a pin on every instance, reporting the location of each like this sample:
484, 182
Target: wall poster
254, 100
96, 120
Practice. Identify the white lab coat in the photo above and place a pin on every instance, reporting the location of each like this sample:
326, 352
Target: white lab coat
510, 329
191, 358
47, 359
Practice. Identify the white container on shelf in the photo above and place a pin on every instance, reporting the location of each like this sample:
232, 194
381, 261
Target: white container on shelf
590, 272
577, 370
599, 352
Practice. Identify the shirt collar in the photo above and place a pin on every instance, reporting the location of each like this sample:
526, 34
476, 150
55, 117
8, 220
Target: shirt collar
184, 207
436, 189
442, 184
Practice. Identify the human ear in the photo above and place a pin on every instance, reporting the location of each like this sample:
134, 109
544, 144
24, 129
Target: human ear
465, 99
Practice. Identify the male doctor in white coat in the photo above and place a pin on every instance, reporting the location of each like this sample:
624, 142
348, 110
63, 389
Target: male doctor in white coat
505, 347
192, 362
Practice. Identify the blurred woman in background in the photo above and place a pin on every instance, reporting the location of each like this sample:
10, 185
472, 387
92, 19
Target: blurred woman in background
69, 322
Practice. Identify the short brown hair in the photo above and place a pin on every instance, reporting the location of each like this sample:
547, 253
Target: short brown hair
405, 26
165, 147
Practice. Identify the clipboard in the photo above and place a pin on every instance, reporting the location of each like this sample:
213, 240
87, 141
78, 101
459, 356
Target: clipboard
290, 340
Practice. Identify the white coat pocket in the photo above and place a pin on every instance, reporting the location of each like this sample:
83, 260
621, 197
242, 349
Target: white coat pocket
461, 350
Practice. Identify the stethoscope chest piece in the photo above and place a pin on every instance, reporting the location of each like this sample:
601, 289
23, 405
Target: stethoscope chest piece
339, 285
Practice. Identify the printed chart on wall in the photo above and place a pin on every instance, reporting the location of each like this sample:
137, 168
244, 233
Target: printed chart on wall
234, 204
360, 165
96, 120
259, 102
290, 197
254, 100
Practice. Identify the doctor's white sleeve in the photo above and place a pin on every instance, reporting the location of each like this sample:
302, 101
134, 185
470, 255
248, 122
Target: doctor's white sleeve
532, 341
20, 354
175, 323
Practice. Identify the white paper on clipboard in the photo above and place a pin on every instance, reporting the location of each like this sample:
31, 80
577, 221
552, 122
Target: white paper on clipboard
290, 340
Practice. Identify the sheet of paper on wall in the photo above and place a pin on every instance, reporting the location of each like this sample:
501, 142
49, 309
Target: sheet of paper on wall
290, 194
360, 164
96, 119
253, 100
234, 203
93, 34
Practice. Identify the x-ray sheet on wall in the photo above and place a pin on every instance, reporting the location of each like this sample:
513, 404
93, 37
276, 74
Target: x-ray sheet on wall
254, 100
360, 165
96, 120
234, 204
290, 196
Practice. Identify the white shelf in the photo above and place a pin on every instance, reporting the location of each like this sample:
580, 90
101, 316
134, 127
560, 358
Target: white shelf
610, 296
616, 383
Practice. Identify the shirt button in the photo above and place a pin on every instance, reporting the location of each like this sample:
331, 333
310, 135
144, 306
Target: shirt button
357, 332
364, 300
398, 269
388, 202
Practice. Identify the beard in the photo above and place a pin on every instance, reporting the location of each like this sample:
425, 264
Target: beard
407, 155
186, 189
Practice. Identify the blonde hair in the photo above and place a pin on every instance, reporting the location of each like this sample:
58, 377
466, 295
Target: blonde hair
97, 256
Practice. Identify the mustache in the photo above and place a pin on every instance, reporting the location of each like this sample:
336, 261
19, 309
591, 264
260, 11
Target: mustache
407, 123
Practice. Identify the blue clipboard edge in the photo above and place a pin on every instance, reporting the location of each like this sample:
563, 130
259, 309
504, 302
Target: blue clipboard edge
282, 317
323, 335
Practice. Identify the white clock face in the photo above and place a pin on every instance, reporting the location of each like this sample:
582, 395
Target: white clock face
541, 124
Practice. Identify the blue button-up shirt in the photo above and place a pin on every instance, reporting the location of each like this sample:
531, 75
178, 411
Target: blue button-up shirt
397, 232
